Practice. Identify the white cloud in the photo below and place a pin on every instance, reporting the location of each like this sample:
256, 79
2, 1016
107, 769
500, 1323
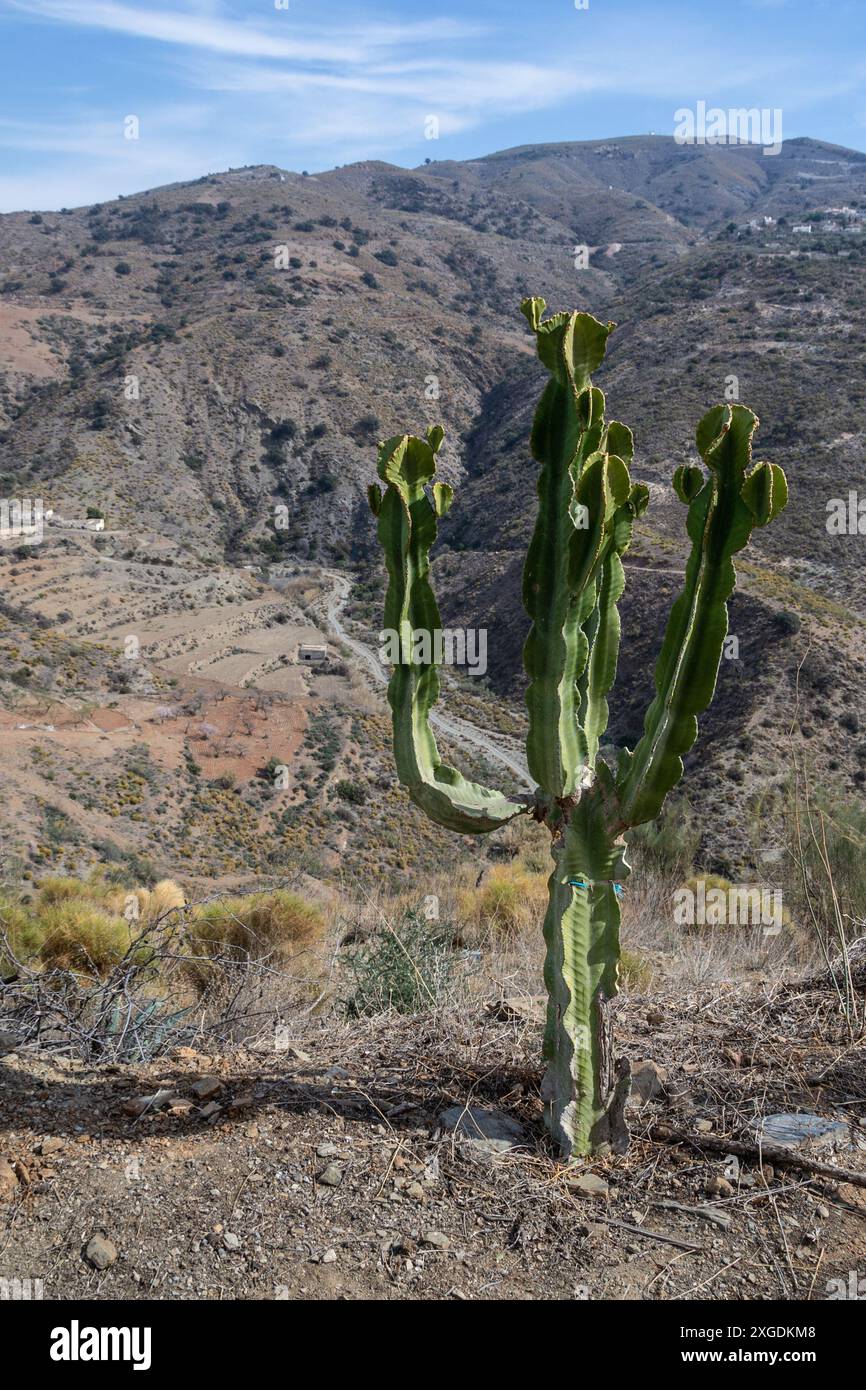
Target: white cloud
240, 38
281, 88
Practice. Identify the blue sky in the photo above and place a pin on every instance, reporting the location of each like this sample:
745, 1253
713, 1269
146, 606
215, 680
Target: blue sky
216, 83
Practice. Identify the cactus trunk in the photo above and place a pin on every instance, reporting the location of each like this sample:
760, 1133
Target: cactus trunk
584, 1088
572, 582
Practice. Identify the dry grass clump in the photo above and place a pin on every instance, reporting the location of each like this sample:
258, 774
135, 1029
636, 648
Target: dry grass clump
148, 905
636, 973
278, 925
84, 925
20, 933
83, 937
511, 900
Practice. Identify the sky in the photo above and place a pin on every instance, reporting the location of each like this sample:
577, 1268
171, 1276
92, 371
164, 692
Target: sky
311, 84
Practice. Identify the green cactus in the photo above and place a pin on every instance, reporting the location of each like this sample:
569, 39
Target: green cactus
573, 579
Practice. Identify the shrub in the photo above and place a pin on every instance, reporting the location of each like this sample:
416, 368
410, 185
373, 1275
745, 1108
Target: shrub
279, 924
81, 936
667, 845
407, 967
367, 428
508, 902
836, 829
349, 790
20, 931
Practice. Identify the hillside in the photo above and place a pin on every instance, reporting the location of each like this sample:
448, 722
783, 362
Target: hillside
211, 364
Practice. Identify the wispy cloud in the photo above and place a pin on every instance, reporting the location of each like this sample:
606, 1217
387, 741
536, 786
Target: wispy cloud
243, 38
279, 86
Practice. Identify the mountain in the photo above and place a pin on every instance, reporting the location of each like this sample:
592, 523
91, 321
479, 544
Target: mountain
210, 365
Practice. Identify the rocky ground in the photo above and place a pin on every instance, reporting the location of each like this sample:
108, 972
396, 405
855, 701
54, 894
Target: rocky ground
345, 1161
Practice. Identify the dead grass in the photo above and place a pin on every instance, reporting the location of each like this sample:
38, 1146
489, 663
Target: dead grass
279, 926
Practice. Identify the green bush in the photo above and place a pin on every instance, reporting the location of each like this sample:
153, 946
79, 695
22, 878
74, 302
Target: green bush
348, 790
407, 967
668, 845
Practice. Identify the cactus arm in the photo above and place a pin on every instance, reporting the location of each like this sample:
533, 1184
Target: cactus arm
603, 631
407, 529
601, 666
723, 509
566, 432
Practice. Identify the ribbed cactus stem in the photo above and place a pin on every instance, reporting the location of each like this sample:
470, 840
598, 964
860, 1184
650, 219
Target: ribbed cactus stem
584, 1084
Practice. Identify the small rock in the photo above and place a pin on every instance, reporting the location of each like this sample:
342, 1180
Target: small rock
330, 1176
719, 1187
210, 1111
486, 1132
206, 1086
416, 1192
648, 1081
327, 1151
822, 1212
231, 1241
50, 1145
704, 1126
100, 1251
530, 1008
244, 1101
802, 1130
139, 1104
437, 1240
329, 1257
8, 1181
588, 1185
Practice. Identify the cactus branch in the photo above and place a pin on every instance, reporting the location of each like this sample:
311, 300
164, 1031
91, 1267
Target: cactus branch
723, 507
407, 529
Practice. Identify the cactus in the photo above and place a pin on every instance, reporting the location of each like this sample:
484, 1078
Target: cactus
573, 579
